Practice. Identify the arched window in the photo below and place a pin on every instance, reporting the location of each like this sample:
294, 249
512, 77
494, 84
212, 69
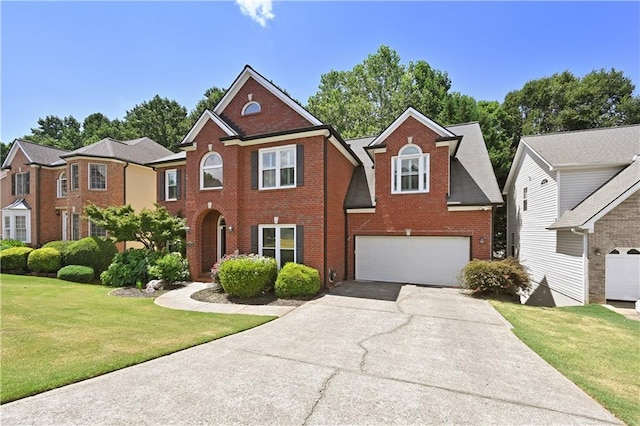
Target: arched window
62, 185
211, 171
251, 108
410, 171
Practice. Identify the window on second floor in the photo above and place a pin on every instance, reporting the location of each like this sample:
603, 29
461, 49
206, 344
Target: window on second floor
211, 171
75, 177
524, 199
410, 171
277, 167
97, 176
96, 231
20, 184
61, 185
171, 191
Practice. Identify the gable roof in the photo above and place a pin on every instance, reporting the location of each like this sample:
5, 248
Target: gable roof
249, 72
473, 180
139, 151
602, 200
36, 154
178, 157
199, 124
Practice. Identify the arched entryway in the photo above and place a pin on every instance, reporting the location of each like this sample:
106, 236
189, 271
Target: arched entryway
213, 239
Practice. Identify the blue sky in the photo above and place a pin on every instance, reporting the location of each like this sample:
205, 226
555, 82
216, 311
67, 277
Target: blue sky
77, 58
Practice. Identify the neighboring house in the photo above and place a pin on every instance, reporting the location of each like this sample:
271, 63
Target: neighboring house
46, 189
261, 174
573, 214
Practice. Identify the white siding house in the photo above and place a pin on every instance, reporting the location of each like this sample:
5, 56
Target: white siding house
559, 185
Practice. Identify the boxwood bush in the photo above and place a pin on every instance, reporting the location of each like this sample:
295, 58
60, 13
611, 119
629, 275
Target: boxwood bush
297, 280
94, 252
247, 275
9, 243
76, 274
129, 268
500, 277
61, 246
14, 259
44, 260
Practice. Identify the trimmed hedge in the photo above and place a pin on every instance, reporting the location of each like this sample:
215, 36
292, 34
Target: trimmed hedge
9, 243
495, 277
44, 260
14, 259
247, 276
61, 246
297, 280
76, 274
94, 252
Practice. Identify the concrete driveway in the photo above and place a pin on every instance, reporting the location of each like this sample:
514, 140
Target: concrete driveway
432, 356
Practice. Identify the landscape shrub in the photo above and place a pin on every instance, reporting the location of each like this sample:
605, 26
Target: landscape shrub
76, 274
44, 259
129, 267
61, 246
14, 259
498, 277
172, 268
297, 280
9, 243
247, 275
94, 252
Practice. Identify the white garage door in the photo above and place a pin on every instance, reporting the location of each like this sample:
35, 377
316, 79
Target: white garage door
416, 260
622, 274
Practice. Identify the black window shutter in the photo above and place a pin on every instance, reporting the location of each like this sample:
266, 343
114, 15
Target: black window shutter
161, 185
299, 165
254, 239
27, 183
299, 244
179, 183
13, 184
254, 170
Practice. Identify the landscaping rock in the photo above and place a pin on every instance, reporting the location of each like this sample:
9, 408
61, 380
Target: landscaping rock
154, 285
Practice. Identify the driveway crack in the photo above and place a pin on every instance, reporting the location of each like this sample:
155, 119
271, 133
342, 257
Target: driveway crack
322, 390
361, 343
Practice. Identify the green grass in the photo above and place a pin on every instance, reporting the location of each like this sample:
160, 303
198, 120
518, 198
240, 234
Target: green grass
599, 350
56, 332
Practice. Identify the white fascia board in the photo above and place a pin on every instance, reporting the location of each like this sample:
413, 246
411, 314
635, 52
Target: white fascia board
363, 210
279, 138
410, 112
454, 208
629, 192
12, 153
587, 166
516, 159
170, 164
207, 115
247, 73
451, 144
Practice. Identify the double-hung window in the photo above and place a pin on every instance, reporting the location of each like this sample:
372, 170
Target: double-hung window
410, 171
75, 176
62, 185
21, 228
278, 167
278, 242
21, 183
75, 226
525, 201
171, 185
97, 177
96, 231
211, 171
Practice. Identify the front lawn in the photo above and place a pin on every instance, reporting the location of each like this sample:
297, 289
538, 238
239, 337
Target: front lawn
56, 332
599, 350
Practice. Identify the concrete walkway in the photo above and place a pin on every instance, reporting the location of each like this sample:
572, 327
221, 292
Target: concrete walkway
181, 299
433, 356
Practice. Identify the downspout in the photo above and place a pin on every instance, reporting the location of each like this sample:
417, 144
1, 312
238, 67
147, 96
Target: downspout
124, 194
38, 212
585, 262
346, 243
324, 183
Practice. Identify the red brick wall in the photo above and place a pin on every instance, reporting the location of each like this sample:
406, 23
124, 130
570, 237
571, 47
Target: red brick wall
275, 115
50, 223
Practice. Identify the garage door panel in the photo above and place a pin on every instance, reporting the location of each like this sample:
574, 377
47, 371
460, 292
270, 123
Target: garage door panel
622, 275
417, 260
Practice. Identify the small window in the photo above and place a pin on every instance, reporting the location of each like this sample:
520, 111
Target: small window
75, 177
410, 171
171, 185
211, 171
22, 183
97, 177
96, 231
278, 242
251, 108
21, 228
6, 234
75, 226
524, 199
62, 185
278, 167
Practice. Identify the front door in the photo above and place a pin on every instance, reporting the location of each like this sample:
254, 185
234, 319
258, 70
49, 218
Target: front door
64, 216
222, 237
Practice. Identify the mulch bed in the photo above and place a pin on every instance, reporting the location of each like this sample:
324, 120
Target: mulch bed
213, 295
135, 292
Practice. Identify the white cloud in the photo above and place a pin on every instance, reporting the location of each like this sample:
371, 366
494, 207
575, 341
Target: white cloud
258, 10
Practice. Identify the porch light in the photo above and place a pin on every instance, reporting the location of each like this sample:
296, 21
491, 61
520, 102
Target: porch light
230, 229
481, 240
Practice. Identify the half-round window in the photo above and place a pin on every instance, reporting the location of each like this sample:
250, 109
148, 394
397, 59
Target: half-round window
251, 108
410, 150
211, 171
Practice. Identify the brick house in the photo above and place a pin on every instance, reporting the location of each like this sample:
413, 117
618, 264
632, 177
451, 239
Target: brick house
45, 189
573, 215
261, 174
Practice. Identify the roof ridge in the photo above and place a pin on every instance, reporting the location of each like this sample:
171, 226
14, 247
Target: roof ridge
580, 131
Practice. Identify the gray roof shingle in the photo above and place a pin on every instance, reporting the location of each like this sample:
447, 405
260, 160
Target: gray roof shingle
40, 154
608, 146
139, 151
601, 198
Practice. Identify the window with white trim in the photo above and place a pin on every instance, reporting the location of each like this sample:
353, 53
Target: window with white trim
96, 231
525, 201
279, 242
211, 171
277, 167
21, 228
410, 171
61, 185
97, 177
16, 224
75, 176
22, 183
251, 107
75, 226
6, 231
171, 185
